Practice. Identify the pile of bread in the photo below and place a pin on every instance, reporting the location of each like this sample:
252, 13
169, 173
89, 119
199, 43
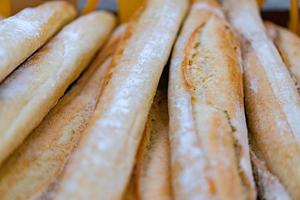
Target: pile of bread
83, 116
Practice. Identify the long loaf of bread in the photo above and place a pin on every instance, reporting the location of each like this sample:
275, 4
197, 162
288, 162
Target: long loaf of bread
24, 33
33, 89
100, 167
151, 178
32, 170
209, 144
288, 45
272, 100
268, 185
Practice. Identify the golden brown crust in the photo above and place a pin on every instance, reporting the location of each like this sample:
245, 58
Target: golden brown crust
268, 125
206, 110
33, 169
288, 45
105, 156
28, 30
197, 53
272, 100
151, 178
222, 96
35, 87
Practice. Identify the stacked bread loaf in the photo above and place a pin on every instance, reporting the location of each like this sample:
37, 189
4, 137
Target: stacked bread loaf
271, 98
88, 112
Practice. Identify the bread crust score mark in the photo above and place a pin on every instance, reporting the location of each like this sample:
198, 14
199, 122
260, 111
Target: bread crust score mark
198, 98
199, 74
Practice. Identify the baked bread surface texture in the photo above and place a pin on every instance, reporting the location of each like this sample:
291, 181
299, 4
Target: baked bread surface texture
151, 176
272, 99
100, 167
33, 170
273, 138
34, 88
25, 32
288, 45
209, 142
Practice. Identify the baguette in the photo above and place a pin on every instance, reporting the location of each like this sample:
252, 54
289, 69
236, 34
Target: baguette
33, 89
288, 45
24, 33
32, 170
258, 94
272, 100
209, 143
100, 167
151, 178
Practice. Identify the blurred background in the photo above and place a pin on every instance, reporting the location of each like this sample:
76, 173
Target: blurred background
274, 10
112, 4
277, 4
270, 4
